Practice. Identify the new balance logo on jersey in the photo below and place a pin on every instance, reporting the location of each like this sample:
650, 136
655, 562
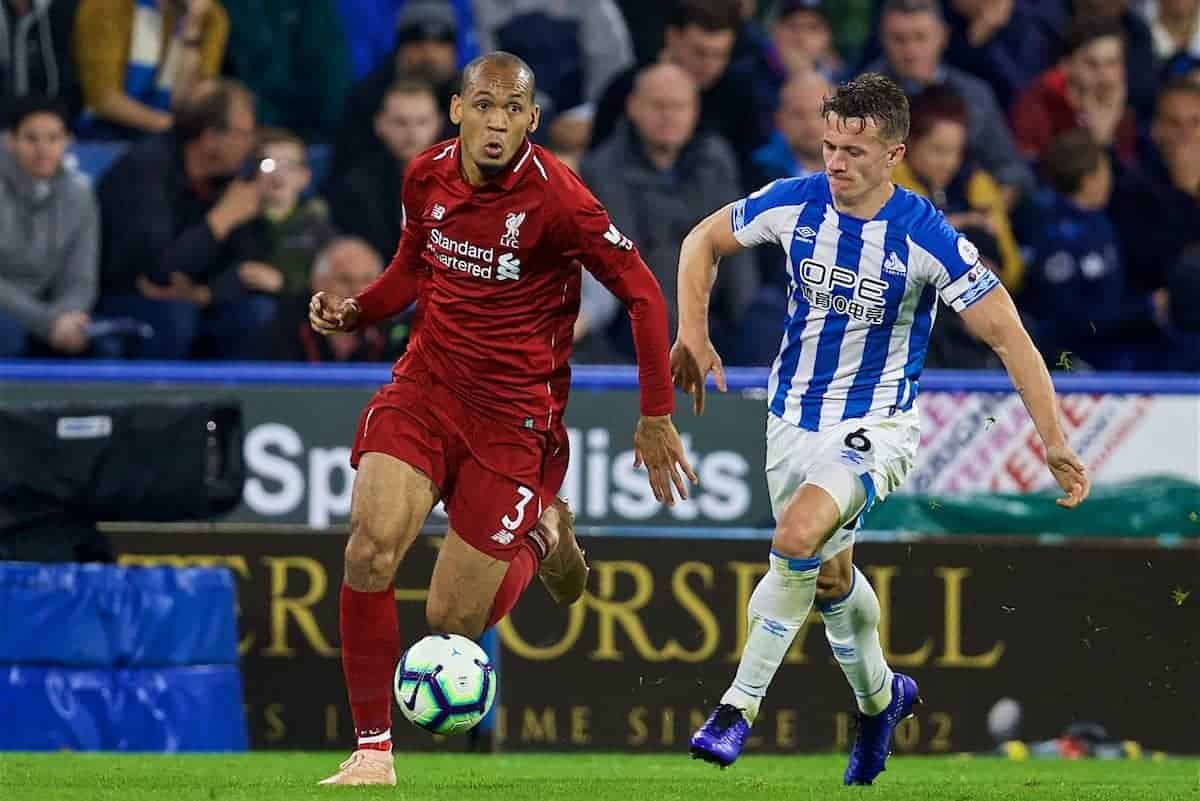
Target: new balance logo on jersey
503, 537
438, 211
512, 225
616, 238
805, 234
509, 268
893, 265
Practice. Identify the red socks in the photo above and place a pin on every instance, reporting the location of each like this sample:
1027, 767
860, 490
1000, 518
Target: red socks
520, 572
371, 646
370, 650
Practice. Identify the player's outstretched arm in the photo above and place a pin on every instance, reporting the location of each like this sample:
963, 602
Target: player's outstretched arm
994, 319
693, 356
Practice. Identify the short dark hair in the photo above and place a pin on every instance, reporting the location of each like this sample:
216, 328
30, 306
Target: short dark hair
1084, 30
1181, 85
708, 15
25, 107
208, 107
936, 103
498, 58
933, 7
875, 97
1069, 159
410, 87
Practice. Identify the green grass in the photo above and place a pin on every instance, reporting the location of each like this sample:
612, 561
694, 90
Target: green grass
591, 777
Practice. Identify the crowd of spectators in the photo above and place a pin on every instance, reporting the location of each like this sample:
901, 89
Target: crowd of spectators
257, 152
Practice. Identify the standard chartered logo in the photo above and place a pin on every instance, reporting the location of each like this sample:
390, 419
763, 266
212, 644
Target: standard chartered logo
467, 257
289, 478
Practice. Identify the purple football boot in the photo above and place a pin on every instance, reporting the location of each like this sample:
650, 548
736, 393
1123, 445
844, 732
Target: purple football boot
869, 755
722, 736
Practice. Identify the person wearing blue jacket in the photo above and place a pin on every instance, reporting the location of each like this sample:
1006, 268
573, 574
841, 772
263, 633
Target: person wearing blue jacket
1076, 288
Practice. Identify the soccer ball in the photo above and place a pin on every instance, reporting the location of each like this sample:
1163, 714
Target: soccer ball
445, 684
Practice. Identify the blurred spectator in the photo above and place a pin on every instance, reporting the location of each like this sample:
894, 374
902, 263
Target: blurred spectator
914, 36
131, 72
646, 22
174, 230
343, 267
35, 52
1004, 42
935, 166
49, 238
427, 34
575, 47
292, 54
1157, 209
1076, 288
366, 200
1086, 90
755, 66
1175, 26
1184, 313
803, 38
370, 27
794, 149
699, 38
951, 345
289, 230
658, 177
851, 23
1181, 65
1141, 66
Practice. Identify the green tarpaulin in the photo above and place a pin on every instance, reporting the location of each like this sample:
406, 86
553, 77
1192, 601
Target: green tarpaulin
1148, 507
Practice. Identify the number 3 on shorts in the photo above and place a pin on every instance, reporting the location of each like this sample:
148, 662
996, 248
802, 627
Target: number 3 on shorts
858, 440
526, 496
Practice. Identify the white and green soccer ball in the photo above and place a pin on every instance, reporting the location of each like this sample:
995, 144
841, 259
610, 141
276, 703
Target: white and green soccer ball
445, 684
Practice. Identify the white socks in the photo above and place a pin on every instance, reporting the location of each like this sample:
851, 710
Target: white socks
852, 628
778, 608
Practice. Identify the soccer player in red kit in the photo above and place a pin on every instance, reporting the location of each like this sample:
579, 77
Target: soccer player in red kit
495, 231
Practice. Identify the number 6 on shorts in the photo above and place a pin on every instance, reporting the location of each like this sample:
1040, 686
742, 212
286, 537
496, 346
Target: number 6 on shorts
858, 440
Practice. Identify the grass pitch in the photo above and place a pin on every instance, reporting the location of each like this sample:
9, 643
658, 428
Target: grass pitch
591, 777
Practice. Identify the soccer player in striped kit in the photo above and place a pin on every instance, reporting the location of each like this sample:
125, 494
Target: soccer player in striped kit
867, 263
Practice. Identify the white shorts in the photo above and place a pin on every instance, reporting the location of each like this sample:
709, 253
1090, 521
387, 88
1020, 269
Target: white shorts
879, 450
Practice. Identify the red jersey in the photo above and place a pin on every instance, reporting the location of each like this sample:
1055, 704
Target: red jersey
496, 270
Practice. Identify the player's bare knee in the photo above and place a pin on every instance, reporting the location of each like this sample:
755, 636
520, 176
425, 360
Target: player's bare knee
443, 618
796, 541
799, 533
370, 558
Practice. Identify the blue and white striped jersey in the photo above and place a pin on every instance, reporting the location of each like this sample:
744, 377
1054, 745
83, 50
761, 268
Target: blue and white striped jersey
862, 300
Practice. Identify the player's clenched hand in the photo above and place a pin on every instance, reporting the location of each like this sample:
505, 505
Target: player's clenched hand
656, 445
1070, 474
328, 313
691, 362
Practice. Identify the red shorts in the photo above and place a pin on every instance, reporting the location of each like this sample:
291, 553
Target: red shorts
494, 476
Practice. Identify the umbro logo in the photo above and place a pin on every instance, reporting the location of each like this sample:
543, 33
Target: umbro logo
438, 211
805, 233
893, 265
852, 456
